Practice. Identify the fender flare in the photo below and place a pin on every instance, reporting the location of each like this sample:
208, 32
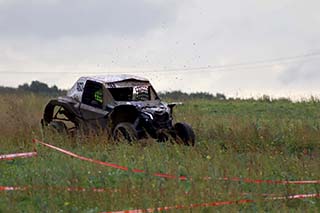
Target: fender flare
48, 114
123, 113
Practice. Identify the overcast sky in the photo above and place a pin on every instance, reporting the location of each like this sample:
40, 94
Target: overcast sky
238, 47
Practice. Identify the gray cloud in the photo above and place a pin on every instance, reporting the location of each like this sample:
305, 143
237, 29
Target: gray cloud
80, 36
57, 18
301, 73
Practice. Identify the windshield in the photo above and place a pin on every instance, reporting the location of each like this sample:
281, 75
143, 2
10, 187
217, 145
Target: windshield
135, 93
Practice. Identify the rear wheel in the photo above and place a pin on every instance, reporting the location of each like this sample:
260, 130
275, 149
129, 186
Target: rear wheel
58, 126
125, 132
184, 134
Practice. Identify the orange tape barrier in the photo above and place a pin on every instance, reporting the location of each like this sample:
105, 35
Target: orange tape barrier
246, 180
213, 204
109, 190
13, 188
70, 189
169, 176
115, 166
18, 155
269, 197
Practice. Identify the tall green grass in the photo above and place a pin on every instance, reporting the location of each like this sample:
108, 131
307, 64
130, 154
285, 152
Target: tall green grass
276, 140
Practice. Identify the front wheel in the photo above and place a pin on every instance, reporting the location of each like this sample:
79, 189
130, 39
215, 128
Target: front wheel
125, 132
184, 134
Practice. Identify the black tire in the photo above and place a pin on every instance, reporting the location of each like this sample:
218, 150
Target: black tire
184, 134
58, 126
125, 132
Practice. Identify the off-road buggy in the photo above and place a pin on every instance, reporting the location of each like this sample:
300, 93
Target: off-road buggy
125, 106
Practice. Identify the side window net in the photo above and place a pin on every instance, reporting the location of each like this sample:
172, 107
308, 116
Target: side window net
93, 94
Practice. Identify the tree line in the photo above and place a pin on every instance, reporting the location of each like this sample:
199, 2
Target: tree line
41, 88
36, 87
178, 95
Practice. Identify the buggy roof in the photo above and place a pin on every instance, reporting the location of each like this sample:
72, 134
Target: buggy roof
113, 78
76, 91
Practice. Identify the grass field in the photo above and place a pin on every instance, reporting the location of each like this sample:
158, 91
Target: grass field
272, 140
